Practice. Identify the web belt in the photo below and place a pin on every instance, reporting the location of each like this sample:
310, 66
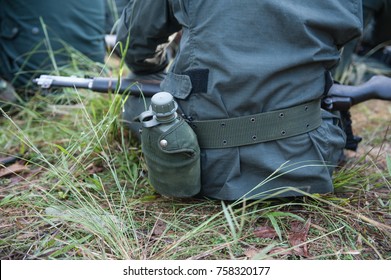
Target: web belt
258, 128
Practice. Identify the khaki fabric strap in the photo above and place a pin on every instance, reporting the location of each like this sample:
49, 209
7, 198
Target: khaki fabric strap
258, 128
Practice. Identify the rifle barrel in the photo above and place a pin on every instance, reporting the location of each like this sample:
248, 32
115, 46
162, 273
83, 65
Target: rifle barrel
146, 88
48, 81
105, 85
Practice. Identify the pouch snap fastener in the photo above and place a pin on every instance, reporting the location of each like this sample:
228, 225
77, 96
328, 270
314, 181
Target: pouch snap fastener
163, 143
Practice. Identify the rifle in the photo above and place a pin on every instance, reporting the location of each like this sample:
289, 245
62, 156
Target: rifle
98, 84
339, 98
343, 97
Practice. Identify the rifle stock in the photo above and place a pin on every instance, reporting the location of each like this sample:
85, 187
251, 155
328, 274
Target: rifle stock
342, 97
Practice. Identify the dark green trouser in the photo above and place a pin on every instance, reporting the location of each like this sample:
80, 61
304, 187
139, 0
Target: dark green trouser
377, 13
24, 48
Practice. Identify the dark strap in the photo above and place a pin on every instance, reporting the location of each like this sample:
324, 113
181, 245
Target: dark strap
258, 128
199, 79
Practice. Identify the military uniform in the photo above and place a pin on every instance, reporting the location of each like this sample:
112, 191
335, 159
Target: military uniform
377, 33
377, 13
240, 59
114, 10
23, 51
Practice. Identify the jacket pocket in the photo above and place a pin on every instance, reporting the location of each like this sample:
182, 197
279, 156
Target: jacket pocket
9, 29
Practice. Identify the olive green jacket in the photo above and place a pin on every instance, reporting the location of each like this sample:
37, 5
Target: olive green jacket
240, 58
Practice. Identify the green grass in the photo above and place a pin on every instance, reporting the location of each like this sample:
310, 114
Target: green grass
83, 194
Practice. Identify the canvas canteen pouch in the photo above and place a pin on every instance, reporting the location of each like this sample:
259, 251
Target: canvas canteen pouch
170, 149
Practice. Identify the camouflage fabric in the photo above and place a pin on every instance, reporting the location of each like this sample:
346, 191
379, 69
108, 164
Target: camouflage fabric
241, 58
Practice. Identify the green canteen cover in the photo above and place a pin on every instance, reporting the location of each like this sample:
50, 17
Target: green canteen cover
173, 159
